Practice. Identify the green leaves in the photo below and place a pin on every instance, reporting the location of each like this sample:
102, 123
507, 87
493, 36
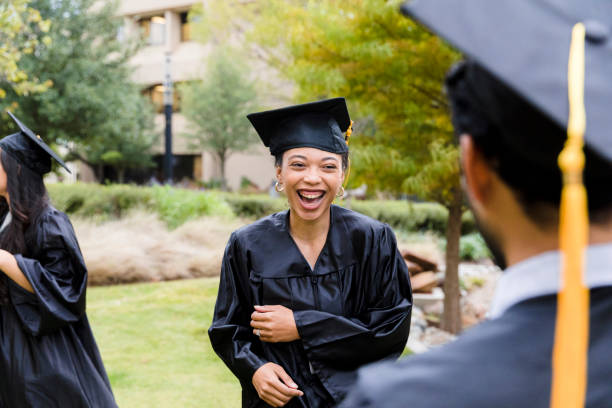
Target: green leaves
390, 70
216, 106
22, 32
92, 106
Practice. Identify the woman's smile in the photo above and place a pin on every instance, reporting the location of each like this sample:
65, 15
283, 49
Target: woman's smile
311, 199
311, 178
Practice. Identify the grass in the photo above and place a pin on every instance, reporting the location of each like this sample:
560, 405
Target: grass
154, 343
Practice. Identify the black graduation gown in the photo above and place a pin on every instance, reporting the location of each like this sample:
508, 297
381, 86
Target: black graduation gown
352, 309
48, 356
501, 363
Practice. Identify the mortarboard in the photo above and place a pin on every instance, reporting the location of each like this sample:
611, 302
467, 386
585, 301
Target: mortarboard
320, 124
556, 54
29, 149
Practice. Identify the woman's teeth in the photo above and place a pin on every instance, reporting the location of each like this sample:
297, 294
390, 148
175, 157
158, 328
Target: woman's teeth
311, 196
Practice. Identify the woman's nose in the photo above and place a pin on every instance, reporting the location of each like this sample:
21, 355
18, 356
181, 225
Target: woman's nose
312, 176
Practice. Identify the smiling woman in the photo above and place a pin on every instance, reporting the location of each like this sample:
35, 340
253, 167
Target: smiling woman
308, 295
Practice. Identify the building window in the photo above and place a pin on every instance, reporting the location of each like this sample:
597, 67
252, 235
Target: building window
153, 29
156, 94
185, 27
121, 33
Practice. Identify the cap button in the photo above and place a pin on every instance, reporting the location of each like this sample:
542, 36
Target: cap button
596, 32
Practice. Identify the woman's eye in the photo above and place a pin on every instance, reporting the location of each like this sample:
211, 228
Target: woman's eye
330, 167
297, 165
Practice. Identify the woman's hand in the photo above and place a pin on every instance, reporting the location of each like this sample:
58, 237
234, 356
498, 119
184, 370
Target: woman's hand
274, 324
274, 385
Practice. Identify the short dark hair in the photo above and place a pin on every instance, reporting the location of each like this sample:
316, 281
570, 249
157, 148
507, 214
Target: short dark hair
278, 160
521, 144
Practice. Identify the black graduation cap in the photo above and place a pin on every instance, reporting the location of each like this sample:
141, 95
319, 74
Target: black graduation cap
525, 44
29, 149
320, 124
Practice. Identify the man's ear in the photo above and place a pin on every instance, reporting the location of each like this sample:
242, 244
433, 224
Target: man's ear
477, 173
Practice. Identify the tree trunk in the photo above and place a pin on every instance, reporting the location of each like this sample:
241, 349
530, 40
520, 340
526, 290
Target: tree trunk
222, 159
100, 173
121, 175
451, 319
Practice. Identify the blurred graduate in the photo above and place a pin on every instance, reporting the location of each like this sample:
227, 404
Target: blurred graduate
310, 294
533, 68
48, 355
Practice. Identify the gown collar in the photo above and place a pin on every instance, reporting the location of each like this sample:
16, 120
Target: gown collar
337, 253
539, 276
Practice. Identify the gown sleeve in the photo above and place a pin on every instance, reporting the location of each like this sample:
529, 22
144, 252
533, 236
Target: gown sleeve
380, 330
57, 274
230, 333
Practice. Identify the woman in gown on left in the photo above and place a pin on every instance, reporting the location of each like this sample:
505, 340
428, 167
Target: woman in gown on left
48, 355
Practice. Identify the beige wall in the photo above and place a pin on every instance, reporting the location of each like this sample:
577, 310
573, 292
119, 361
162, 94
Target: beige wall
144, 7
187, 62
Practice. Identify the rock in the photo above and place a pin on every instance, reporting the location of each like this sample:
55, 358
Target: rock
424, 282
431, 303
424, 263
432, 320
418, 319
416, 332
416, 346
436, 337
413, 268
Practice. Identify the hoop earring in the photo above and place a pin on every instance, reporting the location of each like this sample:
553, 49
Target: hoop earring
279, 187
340, 192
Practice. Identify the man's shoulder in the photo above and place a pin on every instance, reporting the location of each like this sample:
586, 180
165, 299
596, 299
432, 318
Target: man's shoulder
490, 365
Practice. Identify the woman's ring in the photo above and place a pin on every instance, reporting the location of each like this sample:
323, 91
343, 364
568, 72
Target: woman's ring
257, 332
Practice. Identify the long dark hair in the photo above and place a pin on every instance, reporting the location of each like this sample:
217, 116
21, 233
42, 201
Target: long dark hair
28, 200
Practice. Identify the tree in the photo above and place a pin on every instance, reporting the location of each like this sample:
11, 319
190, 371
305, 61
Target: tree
392, 72
216, 108
20, 29
93, 107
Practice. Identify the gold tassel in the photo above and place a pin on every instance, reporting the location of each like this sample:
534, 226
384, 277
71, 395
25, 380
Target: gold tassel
347, 137
570, 353
348, 133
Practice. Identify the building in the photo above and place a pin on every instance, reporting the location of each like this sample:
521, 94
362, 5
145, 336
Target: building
166, 29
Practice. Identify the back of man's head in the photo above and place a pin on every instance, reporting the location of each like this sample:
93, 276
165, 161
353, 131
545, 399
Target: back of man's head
521, 144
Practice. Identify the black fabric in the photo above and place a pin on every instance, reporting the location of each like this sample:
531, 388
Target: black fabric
48, 355
318, 124
29, 149
502, 363
526, 45
352, 309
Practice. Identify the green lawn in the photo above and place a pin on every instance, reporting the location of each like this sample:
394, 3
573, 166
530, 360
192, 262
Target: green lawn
155, 347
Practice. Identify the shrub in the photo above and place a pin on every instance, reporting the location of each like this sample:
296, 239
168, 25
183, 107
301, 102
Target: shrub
92, 200
472, 247
255, 205
175, 206
410, 216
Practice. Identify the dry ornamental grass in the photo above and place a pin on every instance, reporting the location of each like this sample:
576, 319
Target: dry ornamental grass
140, 248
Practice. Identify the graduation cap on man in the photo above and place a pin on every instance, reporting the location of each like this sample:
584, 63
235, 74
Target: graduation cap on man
29, 149
557, 55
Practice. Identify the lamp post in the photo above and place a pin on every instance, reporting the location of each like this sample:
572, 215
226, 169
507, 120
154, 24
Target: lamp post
168, 99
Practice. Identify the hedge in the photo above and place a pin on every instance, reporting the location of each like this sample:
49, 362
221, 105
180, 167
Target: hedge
175, 205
